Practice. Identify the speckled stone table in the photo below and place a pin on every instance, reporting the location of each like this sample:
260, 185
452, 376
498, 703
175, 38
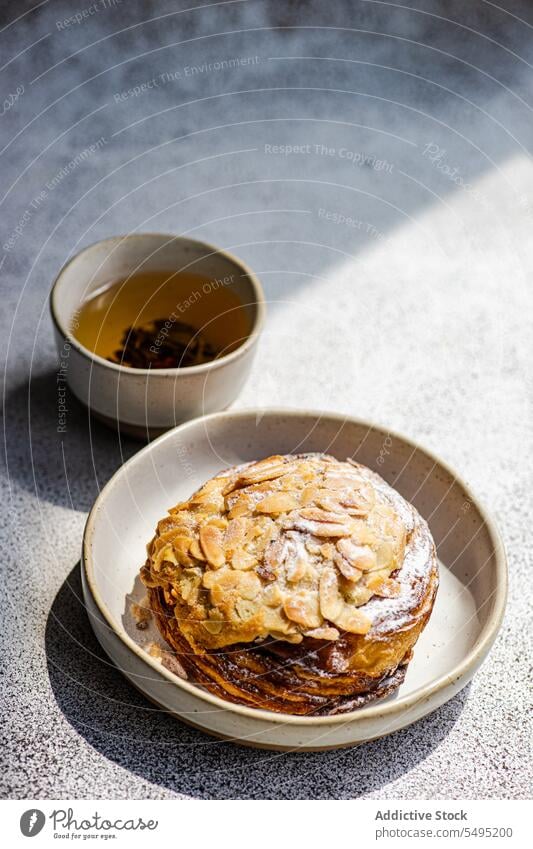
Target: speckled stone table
372, 163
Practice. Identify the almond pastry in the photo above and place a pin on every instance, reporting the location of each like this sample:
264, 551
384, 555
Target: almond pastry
297, 584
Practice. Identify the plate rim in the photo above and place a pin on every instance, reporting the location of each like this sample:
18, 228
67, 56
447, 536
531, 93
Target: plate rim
468, 664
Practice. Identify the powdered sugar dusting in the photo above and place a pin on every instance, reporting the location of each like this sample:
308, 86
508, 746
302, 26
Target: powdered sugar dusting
416, 571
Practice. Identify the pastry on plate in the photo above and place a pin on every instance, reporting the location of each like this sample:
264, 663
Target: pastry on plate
296, 584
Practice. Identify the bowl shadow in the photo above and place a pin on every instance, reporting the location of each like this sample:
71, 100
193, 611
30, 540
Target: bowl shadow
114, 718
64, 462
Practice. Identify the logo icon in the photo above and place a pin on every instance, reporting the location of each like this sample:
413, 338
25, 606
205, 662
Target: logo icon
31, 822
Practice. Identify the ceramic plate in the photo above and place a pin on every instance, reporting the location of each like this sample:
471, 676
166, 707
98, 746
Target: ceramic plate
465, 620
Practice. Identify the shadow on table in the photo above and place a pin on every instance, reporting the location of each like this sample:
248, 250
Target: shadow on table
123, 726
64, 461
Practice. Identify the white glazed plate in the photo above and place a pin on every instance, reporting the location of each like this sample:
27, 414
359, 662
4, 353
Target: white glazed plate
464, 623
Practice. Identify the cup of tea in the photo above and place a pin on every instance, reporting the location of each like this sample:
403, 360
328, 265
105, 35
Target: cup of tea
155, 329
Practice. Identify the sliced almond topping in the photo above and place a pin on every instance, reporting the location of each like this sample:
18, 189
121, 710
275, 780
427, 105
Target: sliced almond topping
254, 529
213, 484
181, 546
188, 587
235, 535
373, 579
344, 481
290, 552
315, 514
321, 529
283, 547
269, 531
262, 465
334, 608
232, 484
360, 556
309, 495
327, 529
209, 580
228, 584
266, 474
302, 608
245, 609
240, 507
201, 497
357, 594
175, 553
211, 541
323, 633
346, 568
196, 550
352, 620
362, 534
219, 522
278, 502
249, 585
287, 636
243, 560
296, 568
385, 555
170, 532
357, 509
331, 603
215, 622
265, 572
269, 469
272, 560
383, 587
272, 595
166, 553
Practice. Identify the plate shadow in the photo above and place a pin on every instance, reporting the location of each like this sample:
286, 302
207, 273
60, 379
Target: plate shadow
122, 725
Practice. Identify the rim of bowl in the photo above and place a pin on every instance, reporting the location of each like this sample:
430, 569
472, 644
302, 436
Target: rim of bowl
250, 340
472, 659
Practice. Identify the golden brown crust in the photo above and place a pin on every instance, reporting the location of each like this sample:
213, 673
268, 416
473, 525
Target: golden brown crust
290, 547
298, 584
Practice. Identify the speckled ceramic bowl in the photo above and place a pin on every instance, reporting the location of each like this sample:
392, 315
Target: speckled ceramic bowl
143, 402
465, 620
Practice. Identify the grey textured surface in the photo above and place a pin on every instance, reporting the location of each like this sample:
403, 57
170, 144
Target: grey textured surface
415, 314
